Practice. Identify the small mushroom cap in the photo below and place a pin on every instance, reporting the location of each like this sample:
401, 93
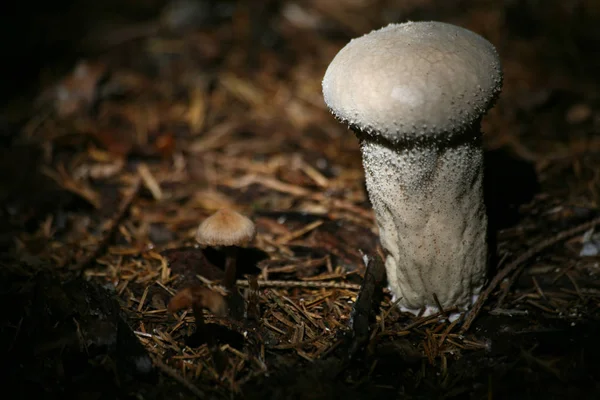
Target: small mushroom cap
200, 296
415, 80
226, 228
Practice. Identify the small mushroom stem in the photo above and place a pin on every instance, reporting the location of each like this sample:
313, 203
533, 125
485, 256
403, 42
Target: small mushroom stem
197, 309
234, 299
428, 203
231, 253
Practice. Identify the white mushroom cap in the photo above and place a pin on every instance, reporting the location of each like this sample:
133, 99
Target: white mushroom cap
413, 81
226, 228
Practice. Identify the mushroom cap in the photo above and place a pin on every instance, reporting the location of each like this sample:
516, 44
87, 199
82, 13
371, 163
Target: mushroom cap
226, 228
200, 296
413, 81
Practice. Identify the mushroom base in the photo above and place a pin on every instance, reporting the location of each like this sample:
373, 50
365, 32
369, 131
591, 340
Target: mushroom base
428, 202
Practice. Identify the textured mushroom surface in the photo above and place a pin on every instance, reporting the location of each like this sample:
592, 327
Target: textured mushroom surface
432, 222
226, 228
415, 80
415, 93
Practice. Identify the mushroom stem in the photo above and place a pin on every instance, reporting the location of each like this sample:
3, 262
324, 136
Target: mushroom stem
230, 266
199, 317
428, 202
234, 299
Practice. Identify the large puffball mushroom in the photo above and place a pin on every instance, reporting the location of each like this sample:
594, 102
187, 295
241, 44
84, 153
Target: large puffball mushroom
415, 93
228, 229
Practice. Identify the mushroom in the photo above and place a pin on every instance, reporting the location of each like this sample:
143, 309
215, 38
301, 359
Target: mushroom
199, 297
414, 94
230, 230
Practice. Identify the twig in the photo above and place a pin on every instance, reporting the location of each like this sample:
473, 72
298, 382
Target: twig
422, 320
304, 284
366, 305
116, 219
506, 289
172, 373
150, 181
439, 306
301, 232
532, 252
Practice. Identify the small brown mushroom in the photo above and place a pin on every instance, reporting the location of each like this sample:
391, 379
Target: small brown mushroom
201, 297
230, 230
